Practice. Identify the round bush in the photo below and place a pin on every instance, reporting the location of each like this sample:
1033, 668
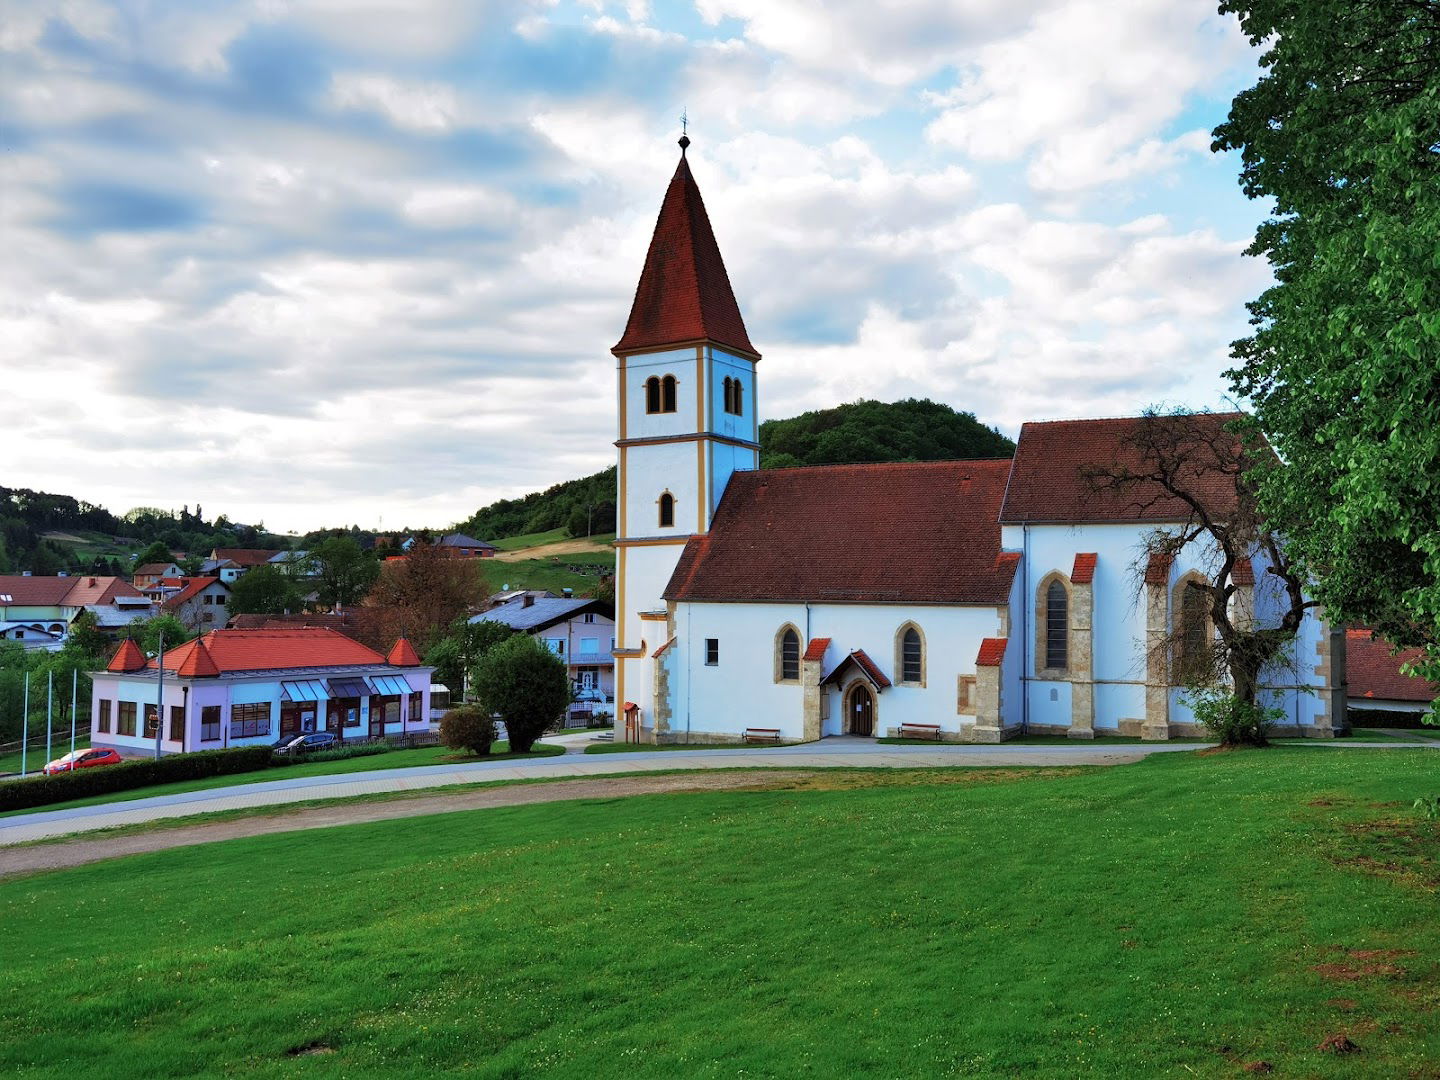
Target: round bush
468, 727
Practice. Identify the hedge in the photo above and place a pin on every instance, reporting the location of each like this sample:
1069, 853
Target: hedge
106, 779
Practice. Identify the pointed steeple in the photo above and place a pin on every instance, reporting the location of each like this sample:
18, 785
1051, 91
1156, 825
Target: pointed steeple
403, 654
128, 657
684, 295
199, 663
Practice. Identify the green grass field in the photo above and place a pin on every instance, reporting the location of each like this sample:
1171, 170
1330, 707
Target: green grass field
552, 573
554, 536
1411, 734
1184, 916
394, 759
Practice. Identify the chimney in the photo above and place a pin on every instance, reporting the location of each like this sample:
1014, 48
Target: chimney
93, 583
528, 601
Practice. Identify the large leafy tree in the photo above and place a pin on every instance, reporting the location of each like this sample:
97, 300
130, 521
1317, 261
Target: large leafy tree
344, 572
526, 685
1342, 132
264, 590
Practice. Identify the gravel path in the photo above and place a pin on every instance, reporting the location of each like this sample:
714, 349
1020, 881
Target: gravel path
56, 856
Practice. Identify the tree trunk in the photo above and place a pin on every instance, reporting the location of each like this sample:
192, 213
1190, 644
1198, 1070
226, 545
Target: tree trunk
1245, 674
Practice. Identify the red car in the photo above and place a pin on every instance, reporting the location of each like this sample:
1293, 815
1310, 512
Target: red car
82, 759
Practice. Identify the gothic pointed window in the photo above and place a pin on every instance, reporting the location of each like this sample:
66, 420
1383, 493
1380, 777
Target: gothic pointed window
910, 671
667, 511
787, 659
1057, 627
1193, 639
729, 394
739, 395
652, 394
667, 394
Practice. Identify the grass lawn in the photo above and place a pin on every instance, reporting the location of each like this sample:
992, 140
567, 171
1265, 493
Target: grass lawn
1184, 916
394, 759
1411, 735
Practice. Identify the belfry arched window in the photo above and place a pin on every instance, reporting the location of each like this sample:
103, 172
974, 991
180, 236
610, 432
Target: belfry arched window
734, 396
667, 511
1057, 626
667, 394
739, 398
652, 394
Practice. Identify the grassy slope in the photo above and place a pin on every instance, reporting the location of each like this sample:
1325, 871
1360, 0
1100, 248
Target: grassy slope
395, 759
1157, 919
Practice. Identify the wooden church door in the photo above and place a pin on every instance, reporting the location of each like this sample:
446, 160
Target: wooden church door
862, 711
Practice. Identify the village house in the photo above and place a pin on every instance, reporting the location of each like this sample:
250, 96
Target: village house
578, 630
52, 603
1377, 680
965, 601
198, 602
226, 570
150, 574
466, 547
253, 687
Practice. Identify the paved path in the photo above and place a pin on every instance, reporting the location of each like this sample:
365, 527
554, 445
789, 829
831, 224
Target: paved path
830, 753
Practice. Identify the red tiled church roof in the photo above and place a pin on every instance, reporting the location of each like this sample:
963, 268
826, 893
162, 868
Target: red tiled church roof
1053, 462
1157, 569
1242, 572
860, 659
816, 649
684, 295
228, 651
922, 532
1372, 671
1084, 570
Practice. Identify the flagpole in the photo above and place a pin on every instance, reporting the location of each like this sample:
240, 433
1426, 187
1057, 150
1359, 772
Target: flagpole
74, 697
49, 709
159, 694
25, 726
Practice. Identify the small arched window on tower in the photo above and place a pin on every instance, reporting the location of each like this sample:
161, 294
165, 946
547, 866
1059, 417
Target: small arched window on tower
729, 394
739, 398
1057, 627
667, 394
667, 511
652, 394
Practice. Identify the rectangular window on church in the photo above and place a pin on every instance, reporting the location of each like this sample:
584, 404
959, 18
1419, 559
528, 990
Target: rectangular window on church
712, 651
965, 695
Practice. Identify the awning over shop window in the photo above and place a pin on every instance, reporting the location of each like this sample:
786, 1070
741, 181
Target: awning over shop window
303, 690
389, 684
348, 688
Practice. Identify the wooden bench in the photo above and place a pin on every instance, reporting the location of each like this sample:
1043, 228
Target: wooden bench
762, 734
920, 731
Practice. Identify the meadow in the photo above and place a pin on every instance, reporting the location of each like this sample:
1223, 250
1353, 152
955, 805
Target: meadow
1190, 915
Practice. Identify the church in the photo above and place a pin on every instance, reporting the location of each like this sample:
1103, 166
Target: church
964, 601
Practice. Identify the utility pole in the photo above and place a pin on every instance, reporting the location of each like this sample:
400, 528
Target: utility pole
49, 709
74, 692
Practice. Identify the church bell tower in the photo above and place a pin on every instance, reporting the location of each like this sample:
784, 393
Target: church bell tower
687, 420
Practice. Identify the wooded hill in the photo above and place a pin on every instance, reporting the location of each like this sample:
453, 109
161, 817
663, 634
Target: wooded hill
862, 431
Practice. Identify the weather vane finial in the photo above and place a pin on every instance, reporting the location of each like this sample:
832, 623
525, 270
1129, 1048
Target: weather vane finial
684, 137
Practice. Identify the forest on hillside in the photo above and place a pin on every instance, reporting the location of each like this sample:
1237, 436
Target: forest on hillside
861, 431
26, 516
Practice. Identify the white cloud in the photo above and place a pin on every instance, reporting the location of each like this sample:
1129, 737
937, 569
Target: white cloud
419, 107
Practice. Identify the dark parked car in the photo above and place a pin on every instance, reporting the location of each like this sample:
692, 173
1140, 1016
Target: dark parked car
303, 744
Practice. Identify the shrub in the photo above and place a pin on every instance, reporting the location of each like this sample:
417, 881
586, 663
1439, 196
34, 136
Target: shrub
526, 684
1232, 721
468, 727
1429, 807
107, 779
338, 753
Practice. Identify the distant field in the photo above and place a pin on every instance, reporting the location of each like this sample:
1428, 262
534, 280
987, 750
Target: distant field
87, 545
1214, 916
514, 543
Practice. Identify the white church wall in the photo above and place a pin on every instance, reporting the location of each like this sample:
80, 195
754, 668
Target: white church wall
741, 690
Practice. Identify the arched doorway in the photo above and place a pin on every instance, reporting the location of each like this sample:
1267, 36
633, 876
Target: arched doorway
860, 710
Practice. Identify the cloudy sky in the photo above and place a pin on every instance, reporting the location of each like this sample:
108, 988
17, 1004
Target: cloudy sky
361, 261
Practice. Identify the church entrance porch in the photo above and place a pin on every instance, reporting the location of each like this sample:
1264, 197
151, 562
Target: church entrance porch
859, 711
